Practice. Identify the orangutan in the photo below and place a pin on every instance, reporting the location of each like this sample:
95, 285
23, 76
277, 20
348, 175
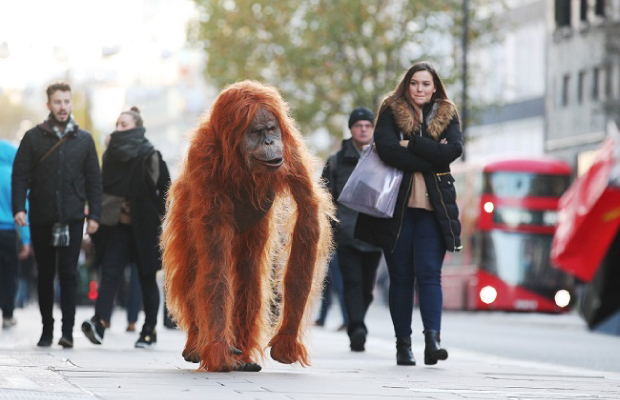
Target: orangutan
245, 219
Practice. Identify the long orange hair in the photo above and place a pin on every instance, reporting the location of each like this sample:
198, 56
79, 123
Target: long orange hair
214, 303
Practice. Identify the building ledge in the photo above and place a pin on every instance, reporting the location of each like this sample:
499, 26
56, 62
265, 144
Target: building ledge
572, 141
510, 112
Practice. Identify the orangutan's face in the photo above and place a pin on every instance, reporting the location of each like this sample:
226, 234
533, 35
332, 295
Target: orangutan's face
262, 145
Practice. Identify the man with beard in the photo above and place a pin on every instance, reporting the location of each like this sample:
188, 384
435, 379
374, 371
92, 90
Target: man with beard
58, 163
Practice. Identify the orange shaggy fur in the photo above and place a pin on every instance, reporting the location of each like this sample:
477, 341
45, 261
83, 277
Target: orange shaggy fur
220, 282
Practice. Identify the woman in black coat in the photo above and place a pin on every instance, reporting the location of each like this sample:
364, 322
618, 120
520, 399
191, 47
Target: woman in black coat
135, 181
417, 131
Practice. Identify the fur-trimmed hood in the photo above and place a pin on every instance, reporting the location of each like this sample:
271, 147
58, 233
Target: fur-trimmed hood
437, 119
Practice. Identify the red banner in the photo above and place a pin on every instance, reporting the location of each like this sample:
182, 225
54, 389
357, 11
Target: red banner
588, 218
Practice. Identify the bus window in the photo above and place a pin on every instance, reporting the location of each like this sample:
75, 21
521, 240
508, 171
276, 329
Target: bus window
522, 184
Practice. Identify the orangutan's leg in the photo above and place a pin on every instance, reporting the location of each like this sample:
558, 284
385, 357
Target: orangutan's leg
248, 318
190, 352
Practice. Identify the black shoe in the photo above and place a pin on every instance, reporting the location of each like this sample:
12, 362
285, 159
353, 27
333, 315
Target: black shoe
433, 350
358, 339
46, 340
93, 330
148, 337
170, 323
404, 355
66, 341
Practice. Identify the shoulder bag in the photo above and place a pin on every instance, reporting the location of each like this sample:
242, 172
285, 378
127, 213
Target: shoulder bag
373, 186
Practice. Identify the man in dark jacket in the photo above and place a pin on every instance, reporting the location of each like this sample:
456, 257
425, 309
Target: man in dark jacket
57, 162
358, 260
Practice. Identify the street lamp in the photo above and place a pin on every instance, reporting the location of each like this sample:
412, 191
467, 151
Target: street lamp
464, 44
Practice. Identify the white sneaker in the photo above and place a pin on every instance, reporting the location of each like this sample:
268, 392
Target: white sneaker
8, 322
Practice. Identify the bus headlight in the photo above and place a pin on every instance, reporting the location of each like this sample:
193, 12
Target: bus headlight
488, 207
562, 298
488, 294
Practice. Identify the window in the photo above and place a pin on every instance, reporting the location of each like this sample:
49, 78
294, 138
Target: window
580, 82
565, 83
583, 10
562, 13
525, 184
599, 8
595, 82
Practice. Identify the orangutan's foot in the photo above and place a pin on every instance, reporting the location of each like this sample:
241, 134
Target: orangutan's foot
241, 366
191, 356
247, 367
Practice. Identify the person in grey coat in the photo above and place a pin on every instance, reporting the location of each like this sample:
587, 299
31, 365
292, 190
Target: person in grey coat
358, 260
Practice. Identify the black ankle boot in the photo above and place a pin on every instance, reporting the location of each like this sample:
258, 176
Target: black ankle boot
358, 339
47, 336
404, 355
433, 350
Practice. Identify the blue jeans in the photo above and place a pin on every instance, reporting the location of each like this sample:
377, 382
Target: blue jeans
418, 256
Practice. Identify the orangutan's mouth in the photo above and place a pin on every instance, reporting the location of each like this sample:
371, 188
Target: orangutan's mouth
274, 162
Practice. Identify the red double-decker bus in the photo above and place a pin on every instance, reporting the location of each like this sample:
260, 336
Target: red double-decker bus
508, 214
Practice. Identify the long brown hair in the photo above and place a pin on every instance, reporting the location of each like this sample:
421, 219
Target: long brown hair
402, 90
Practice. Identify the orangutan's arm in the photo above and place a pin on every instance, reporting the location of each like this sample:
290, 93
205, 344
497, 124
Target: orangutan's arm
298, 278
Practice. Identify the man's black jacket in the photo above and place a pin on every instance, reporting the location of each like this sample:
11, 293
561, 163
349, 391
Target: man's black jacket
61, 184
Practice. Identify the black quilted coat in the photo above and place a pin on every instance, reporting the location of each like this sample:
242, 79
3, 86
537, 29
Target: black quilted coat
424, 154
62, 183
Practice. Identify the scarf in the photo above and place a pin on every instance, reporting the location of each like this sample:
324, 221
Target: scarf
52, 122
125, 152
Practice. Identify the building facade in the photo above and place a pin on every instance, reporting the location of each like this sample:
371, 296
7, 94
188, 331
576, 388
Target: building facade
508, 81
583, 77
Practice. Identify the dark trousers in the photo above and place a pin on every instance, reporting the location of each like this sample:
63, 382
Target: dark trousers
359, 271
418, 256
134, 297
8, 271
65, 260
333, 283
120, 250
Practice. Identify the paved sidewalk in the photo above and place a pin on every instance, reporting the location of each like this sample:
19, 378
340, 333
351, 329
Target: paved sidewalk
116, 370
